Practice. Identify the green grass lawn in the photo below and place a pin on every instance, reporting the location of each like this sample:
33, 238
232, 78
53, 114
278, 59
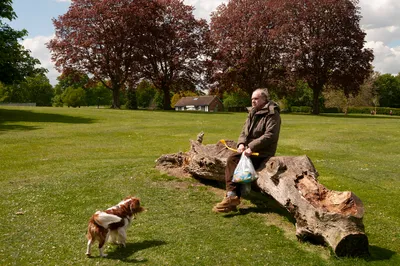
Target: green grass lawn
59, 165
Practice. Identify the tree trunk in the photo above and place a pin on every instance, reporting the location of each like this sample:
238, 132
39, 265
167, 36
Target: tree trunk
322, 216
131, 102
166, 97
316, 92
115, 94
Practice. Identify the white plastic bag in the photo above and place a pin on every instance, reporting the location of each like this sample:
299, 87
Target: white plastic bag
244, 171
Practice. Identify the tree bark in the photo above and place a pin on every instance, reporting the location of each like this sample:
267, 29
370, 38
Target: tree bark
322, 216
115, 101
317, 89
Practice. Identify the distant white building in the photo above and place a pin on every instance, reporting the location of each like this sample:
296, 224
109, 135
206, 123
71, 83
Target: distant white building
200, 103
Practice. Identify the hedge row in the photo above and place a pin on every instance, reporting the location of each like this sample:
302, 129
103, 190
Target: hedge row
300, 109
369, 110
350, 110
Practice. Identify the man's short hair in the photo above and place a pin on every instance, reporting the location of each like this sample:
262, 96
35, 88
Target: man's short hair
264, 93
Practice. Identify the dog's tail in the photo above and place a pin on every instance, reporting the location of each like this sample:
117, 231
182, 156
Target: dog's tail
105, 219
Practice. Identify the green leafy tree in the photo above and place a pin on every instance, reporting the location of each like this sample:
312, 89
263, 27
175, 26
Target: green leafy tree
157, 102
74, 97
57, 101
12, 93
388, 89
16, 62
301, 96
3, 92
177, 96
367, 96
237, 98
145, 93
131, 102
34, 89
367, 91
38, 90
70, 78
98, 94
336, 99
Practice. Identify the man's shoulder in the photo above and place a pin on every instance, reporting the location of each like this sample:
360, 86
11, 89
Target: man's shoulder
274, 108
270, 108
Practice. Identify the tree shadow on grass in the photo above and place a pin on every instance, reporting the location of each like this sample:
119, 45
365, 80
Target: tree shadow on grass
14, 117
16, 128
123, 253
264, 203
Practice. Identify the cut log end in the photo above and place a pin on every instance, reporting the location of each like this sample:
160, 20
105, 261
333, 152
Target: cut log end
355, 245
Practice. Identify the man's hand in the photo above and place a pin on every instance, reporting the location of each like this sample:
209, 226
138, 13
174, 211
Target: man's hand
240, 149
248, 152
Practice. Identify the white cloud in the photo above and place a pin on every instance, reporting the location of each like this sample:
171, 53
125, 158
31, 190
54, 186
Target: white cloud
386, 58
380, 20
37, 46
382, 26
379, 14
203, 8
387, 35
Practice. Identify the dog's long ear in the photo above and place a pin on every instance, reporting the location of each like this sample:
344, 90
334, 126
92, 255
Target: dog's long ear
135, 206
128, 197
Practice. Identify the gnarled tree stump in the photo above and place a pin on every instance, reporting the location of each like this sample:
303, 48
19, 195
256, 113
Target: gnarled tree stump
322, 216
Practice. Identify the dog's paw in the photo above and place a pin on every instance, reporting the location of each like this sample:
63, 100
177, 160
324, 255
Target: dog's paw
88, 255
103, 255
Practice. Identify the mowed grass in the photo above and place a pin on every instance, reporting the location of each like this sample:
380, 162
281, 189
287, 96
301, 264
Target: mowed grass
59, 165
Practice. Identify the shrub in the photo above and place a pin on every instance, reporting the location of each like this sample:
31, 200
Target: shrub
300, 109
74, 97
332, 110
57, 101
379, 110
237, 99
131, 102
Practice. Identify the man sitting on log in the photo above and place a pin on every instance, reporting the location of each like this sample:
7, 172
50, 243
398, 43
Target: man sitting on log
260, 134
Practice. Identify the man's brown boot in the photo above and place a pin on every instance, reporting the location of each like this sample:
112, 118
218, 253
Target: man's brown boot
228, 204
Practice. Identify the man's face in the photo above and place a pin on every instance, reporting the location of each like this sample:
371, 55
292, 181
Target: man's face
257, 101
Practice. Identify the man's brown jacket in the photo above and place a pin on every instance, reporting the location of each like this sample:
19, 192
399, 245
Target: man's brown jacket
261, 130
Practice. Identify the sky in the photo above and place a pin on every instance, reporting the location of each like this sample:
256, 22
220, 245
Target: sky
380, 22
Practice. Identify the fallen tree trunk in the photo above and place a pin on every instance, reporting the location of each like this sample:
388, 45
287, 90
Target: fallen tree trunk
322, 216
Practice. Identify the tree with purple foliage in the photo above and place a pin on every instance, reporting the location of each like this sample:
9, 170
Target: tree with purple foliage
275, 43
246, 54
175, 52
102, 38
324, 44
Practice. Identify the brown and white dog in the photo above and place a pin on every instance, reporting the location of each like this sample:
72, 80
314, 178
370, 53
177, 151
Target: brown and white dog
112, 223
